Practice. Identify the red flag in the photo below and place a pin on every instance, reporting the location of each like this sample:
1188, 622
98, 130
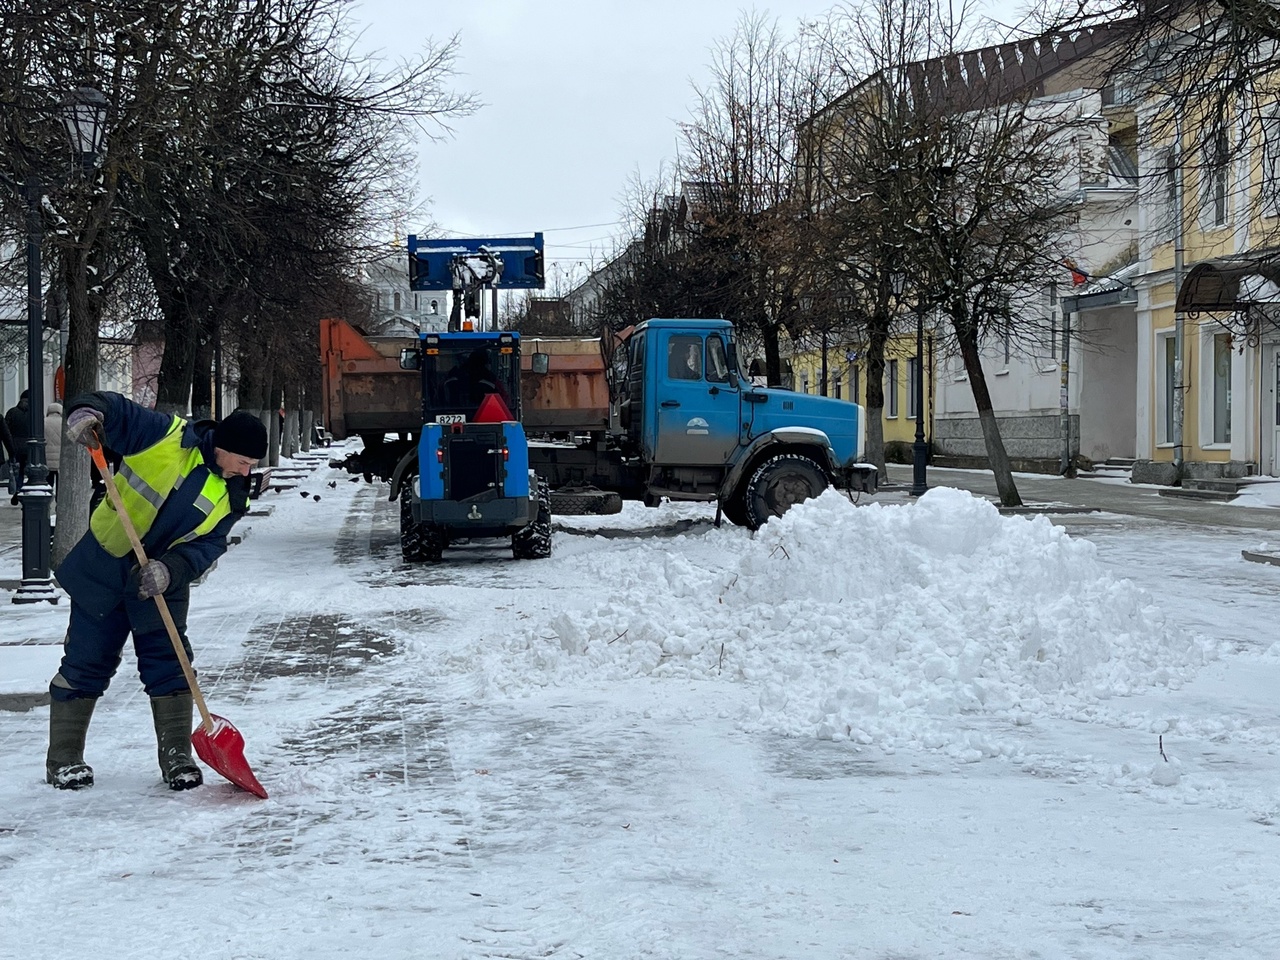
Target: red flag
1078, 276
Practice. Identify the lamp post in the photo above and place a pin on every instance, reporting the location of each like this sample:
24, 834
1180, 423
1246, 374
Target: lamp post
919, 449
83, 113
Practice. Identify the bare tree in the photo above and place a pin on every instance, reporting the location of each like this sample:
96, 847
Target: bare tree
753, 217
949, 173
234, 128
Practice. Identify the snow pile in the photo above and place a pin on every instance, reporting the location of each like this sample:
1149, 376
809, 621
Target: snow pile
883, 624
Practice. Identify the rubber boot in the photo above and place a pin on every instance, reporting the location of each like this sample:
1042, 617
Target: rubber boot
172, 715
64, 767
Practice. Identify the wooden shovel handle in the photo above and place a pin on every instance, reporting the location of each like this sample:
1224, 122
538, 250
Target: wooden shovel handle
100, 461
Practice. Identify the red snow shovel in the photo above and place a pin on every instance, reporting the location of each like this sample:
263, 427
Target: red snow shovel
218, 743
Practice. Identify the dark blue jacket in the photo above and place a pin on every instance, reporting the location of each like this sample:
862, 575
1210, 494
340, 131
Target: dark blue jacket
98, 581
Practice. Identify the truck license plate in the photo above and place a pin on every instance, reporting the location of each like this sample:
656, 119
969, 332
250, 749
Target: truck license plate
451, 418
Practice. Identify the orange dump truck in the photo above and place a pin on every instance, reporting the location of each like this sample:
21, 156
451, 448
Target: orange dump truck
563, 391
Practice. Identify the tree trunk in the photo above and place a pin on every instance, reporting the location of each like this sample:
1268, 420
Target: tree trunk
772, 355
987, 418
173, 385
202, 380
291, 416
81, 363
308, 416
250, 390
878, 336
275, 400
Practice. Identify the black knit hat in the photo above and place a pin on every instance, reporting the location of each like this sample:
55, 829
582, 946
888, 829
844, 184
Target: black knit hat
241, 433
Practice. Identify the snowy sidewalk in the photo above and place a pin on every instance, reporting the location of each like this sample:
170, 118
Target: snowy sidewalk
29, 657
630, 750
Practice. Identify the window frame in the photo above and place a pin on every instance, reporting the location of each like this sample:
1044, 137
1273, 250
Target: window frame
891, 389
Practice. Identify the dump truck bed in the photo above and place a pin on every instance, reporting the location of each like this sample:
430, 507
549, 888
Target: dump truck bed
365, 391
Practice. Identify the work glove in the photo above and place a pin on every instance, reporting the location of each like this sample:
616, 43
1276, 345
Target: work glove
84, 426
153, 579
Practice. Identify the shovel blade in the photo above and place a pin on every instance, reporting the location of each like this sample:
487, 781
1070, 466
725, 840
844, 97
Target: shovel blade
222, 748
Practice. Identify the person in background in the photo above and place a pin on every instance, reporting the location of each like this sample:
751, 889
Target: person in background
18, 420
53, 443
183, 486
6, 442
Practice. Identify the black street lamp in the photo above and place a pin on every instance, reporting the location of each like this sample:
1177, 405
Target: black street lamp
919, 449
83, 115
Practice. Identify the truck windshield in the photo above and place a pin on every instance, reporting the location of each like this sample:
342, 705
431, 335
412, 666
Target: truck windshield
459, 375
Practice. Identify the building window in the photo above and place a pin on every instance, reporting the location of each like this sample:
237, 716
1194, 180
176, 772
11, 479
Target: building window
804, 381
397, 300
891, 387
837, 383
1168, 385
1217, 170
855, 387
1222, 388
913, 374
1270, 186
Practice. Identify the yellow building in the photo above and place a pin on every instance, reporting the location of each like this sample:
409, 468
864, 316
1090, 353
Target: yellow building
1210, 230
846, 380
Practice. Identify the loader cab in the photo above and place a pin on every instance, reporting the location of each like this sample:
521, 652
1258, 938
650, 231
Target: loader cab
470, 376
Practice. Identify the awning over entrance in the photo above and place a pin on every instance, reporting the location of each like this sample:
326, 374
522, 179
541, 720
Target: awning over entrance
1231, 283
1106, 291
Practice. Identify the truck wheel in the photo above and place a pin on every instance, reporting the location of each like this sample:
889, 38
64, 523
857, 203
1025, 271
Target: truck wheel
419, 542
734, 507
533, 542
779, 484
586, 502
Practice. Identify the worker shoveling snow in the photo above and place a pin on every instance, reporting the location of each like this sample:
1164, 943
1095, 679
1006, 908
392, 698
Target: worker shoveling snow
901, 625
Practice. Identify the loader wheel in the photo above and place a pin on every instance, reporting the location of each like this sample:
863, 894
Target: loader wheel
419, 542
779, 484
533, 542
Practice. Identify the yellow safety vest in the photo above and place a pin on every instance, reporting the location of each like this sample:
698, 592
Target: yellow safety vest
145, 479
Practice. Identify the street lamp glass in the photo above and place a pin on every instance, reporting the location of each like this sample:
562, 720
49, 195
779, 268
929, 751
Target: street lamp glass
84, 114
898, 281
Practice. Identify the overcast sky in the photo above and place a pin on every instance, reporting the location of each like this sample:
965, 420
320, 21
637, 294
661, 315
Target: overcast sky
578, 97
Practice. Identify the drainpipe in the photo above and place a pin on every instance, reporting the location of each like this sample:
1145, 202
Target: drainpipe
1178, 317
1065, 466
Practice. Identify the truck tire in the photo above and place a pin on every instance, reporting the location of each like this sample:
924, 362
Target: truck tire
734, 507
586, 502
533, 542
780, 483
419, 542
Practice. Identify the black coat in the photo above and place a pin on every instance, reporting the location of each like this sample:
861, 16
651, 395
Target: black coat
18, 420
7, 449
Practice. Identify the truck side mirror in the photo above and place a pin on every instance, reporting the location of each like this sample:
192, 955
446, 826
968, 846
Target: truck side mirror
731, 352
540, 362
409, 359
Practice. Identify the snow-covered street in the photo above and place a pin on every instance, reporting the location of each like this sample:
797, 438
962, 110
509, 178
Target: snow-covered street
896, 730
